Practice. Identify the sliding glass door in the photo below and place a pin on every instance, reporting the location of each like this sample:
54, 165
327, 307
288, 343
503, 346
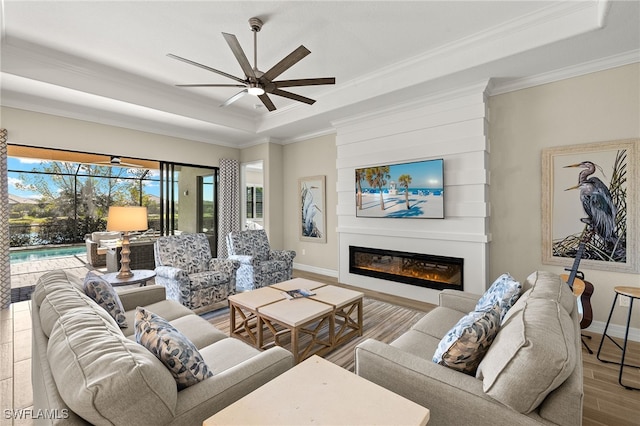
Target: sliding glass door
188, 200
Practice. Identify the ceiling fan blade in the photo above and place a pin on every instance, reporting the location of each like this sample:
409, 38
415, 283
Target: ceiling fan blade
233, 43
305, 82
234, 98
267, 102
290, 60
188, 61
211, 85
130, 165
293, 96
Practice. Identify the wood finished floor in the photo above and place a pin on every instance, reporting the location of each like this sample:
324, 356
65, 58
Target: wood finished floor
605, 401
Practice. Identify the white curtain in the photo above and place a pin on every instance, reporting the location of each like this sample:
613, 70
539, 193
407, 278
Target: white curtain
228, 203
5, 260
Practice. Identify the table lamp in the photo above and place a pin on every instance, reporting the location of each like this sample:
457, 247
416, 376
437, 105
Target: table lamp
126, 219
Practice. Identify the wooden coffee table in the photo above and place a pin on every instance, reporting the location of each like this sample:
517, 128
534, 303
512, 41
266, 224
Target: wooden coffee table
243, 312
264, 317
318, 392
295, 318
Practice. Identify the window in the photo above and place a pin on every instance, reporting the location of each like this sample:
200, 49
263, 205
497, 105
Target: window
254, 202
57, 196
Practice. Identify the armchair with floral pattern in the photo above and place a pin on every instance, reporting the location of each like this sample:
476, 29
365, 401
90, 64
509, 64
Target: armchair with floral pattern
259, 265
184, 266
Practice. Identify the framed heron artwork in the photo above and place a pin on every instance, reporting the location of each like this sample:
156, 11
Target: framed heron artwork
312, 223
590, 205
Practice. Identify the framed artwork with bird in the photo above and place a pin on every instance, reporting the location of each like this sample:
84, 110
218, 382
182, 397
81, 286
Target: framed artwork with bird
591, 190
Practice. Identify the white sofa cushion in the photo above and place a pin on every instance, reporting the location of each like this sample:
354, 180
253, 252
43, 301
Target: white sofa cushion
54, 281
533, 354
105, 377
56, 294
547, 285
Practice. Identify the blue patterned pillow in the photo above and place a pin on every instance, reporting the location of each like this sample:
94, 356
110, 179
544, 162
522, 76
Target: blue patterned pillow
464, 346
504, 291
175, 350
104, 295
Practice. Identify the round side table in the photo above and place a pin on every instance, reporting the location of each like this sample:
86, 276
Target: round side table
632, 293
140, 276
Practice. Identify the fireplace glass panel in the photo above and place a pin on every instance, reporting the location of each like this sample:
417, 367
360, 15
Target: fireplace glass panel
425, 270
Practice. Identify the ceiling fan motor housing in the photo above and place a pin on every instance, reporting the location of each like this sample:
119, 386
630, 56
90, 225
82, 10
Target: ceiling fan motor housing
255, 24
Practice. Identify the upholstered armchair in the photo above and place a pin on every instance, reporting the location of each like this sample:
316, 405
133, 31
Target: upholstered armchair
184, 266
259, 265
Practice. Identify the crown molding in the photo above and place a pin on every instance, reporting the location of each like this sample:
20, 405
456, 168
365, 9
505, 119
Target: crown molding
497, 87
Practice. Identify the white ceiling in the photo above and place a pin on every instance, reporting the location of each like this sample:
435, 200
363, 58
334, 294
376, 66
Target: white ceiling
105, 61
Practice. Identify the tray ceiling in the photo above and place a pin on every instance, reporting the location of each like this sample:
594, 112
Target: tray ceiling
106, 61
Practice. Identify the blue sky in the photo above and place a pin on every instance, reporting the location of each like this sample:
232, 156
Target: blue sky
424, 174
28, 164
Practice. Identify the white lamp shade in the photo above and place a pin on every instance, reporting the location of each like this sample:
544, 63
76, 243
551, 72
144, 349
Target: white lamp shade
127, 218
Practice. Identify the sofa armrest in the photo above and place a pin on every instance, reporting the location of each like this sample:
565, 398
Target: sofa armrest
452, 397
141, 296
202, 400
462, 301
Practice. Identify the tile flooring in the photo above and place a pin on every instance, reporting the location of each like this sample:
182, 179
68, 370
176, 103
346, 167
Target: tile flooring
15, 365
16, 398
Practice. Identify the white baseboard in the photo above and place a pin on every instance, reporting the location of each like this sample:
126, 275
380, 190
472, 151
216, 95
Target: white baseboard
316, 270
615, 330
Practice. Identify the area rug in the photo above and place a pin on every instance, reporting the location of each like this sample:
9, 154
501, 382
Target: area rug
382, 321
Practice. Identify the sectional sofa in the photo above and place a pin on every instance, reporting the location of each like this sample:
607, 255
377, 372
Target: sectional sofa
86, 369
531, 373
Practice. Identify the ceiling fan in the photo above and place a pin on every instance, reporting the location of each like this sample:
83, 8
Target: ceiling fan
256, 82
117, 162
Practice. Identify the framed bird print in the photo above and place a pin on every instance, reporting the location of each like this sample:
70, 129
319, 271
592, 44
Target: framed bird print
590, 206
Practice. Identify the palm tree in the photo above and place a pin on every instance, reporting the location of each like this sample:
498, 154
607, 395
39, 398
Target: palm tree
359, 178
404, 181
377, 178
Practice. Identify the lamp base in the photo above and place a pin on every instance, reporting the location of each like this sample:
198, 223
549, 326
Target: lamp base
122, 275
125, 271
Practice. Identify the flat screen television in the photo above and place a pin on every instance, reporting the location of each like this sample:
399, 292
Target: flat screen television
406, 190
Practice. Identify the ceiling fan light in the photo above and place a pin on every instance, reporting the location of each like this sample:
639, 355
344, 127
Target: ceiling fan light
255, 90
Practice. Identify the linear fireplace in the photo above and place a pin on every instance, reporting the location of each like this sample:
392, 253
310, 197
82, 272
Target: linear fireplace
424, 270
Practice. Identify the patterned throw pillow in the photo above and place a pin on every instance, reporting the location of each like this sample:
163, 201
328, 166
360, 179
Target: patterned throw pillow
464, 346
104, 295
175, 350
504, 291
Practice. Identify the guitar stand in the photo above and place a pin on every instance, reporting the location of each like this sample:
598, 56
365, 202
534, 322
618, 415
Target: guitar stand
584, 336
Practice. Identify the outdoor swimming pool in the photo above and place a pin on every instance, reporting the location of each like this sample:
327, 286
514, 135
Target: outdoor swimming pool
20, 256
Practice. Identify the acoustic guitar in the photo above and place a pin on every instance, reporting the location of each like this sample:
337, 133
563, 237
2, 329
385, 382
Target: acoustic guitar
581, 288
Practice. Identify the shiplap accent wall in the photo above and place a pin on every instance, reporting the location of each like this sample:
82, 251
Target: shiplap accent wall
451, 126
